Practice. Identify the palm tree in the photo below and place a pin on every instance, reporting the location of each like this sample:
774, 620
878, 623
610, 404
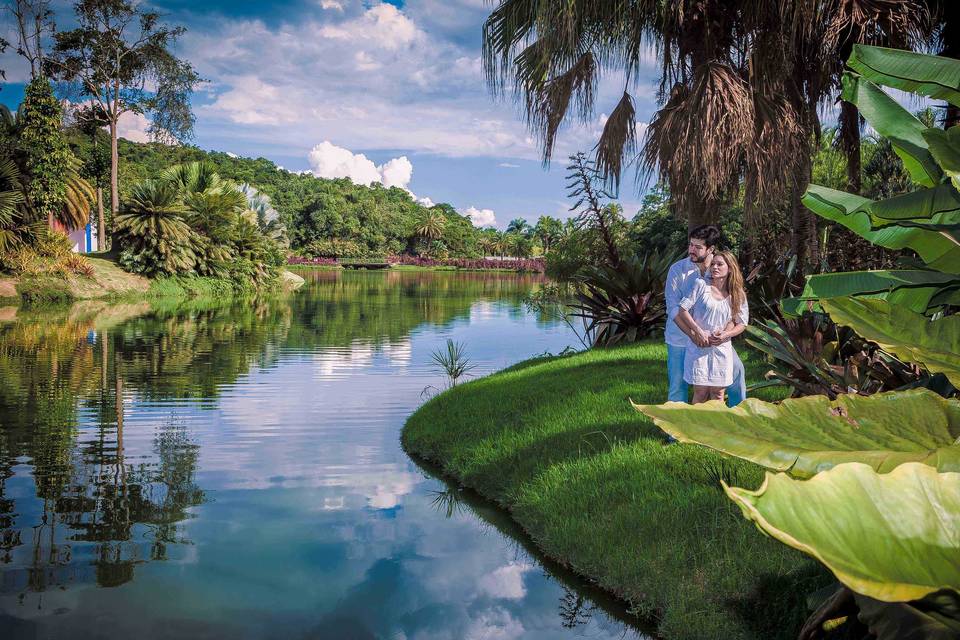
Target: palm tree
519, 225
155, 235
11, 198
267, 218
740, 85
431, 225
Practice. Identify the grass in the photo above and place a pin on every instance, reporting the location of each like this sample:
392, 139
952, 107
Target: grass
555, 441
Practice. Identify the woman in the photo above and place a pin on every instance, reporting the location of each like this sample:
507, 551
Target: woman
706, 317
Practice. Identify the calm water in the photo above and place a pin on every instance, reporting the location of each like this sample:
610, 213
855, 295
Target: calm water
236, 471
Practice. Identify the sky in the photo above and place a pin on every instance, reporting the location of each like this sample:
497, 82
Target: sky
392, 92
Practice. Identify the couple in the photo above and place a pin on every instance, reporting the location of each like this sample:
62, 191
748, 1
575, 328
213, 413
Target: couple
702, 292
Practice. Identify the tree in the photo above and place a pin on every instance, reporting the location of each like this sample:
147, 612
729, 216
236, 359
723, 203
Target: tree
519, 225
45, 151
118, 50
547, 230
740, 85
431, 225
34, 19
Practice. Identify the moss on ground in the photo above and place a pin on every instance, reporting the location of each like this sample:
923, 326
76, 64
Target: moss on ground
555, 441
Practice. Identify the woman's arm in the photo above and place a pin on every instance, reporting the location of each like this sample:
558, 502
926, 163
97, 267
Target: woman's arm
686, 323
731, 330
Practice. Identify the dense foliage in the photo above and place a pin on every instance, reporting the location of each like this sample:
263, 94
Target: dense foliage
889, 453
190, 221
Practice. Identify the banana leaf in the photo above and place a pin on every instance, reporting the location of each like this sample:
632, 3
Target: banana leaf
932, 76
893, 537
909, 336
945, 148
804, 436
911, 288
903, 129
855, 213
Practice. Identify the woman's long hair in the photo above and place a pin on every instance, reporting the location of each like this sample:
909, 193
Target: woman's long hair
738, 293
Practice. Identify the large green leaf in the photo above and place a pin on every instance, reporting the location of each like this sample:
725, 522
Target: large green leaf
932, 76
903, 129
945, 148
894, 537
806, 435
907, 335
854, 212
912, 288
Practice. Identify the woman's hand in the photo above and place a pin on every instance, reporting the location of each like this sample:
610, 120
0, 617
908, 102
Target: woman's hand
718, 337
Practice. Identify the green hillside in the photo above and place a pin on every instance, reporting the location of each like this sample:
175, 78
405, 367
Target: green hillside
323, 217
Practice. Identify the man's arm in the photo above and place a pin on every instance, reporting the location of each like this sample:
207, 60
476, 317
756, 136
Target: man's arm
685, 321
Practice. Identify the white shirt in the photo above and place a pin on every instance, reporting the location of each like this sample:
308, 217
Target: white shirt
681, 279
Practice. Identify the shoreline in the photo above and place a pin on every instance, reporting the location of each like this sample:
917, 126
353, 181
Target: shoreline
110, 282
555, 442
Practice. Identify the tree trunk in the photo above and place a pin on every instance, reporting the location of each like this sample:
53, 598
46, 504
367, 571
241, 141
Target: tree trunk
700, 211
101, 228
803, 225
850, 145
114, 170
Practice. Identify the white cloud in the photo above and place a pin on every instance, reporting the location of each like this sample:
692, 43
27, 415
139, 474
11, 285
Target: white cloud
481, 217
496, 624
508, 165
327, 160
382, 25
231, 155
376, 77
396, 172
331, 4
505, 582
425, 201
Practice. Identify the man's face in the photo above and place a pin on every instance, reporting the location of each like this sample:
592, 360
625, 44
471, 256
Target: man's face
698, 250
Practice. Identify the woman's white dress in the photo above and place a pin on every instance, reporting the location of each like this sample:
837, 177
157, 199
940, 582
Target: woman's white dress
708, 366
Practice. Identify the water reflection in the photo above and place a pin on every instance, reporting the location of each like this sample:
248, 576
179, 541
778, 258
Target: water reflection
217, 469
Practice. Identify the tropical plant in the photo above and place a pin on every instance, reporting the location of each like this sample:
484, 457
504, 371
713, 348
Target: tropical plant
924, 221
453, 361
623, 303
431, 225
909, 336
813, 355
153, 235
46, 154
266, 217
804, 436
11, 197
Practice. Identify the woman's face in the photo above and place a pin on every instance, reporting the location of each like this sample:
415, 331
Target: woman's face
719, 268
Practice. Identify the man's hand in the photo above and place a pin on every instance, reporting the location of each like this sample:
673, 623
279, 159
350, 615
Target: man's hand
700, 338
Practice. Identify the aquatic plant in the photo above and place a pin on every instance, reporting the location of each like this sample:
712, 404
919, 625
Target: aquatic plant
453, 361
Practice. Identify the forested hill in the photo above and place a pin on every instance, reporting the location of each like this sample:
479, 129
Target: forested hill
323, 217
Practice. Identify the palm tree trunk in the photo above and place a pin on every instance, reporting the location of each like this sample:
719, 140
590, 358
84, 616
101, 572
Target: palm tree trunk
850, 144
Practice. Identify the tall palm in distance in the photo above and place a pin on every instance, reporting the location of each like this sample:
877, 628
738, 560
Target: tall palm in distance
431, 225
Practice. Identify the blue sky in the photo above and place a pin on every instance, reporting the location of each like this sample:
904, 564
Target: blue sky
373, 91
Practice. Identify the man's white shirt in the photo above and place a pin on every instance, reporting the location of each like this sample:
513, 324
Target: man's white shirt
681, 277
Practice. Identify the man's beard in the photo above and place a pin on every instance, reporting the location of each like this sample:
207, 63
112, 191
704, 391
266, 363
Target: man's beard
697, 260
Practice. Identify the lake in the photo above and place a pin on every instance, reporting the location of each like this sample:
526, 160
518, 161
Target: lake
234, 469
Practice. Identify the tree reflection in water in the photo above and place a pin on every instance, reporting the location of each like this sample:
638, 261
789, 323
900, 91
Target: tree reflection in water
94, 514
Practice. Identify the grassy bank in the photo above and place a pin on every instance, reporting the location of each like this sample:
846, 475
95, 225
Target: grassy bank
555, 441
107, 280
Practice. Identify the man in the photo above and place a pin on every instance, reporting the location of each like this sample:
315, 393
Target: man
681, 277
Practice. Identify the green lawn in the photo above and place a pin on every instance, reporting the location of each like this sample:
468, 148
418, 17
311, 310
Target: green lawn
555, 441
